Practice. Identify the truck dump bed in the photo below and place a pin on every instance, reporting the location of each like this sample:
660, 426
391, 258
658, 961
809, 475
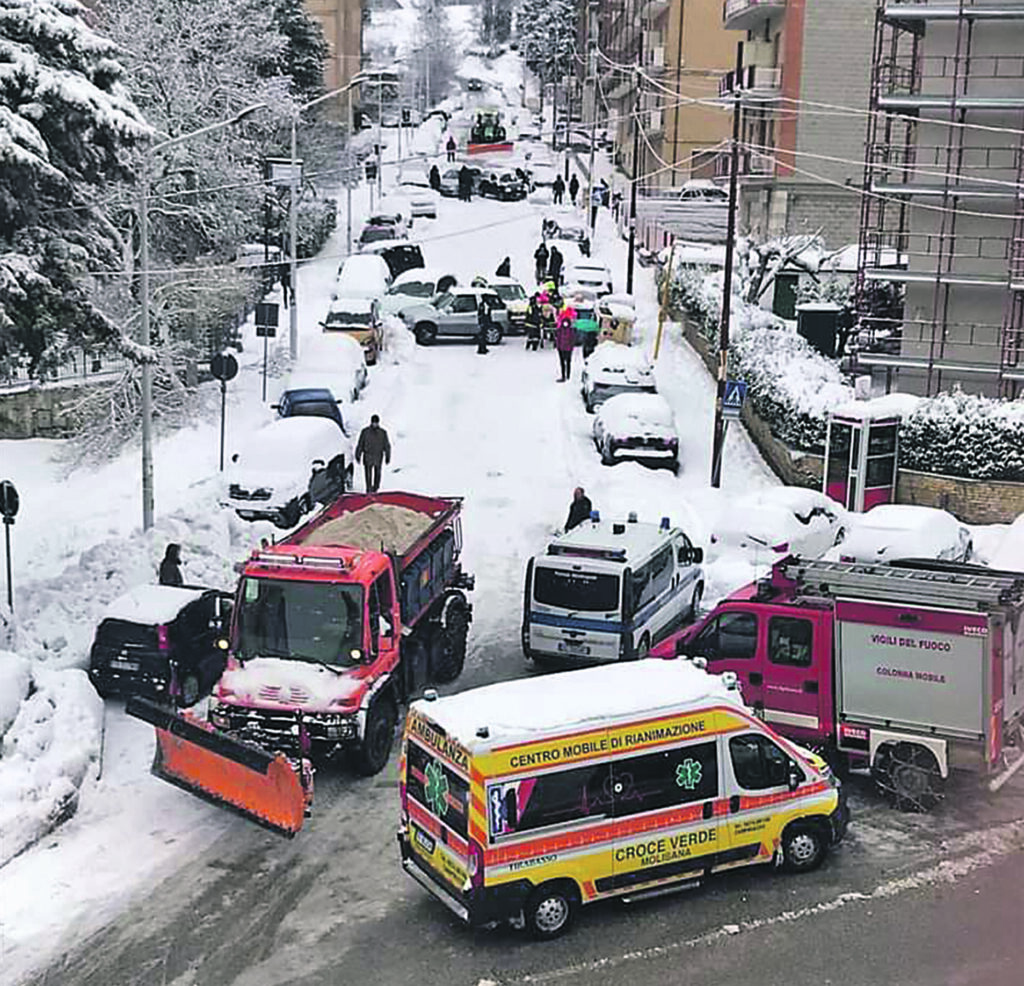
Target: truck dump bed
397, 523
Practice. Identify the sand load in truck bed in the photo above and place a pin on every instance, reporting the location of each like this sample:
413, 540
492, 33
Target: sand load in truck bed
396, 528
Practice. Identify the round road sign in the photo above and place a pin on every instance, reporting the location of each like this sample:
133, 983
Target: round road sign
224, 366
8, 500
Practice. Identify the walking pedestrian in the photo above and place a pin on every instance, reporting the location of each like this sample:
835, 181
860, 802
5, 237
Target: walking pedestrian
170, 567
504, 268
557, 190
435, 178
574, 188
372, 449
450, 147
595, 201
465, 184
540, 260
579, 510
565, 339
284, 275
484, 323
534, 321
555, 265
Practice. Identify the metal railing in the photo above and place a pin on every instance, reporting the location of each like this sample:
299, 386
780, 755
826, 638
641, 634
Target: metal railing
86, 367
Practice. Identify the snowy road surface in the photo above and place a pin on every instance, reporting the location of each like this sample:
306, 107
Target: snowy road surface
149, 885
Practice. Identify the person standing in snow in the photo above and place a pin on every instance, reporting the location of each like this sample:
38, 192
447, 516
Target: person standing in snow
170, 567
435, 178
504, 268
450, 148
534, 322
555, 265
565, 340
574, 188
557, 190
484, 323
465, 184
540, 260
579, 509
373, 448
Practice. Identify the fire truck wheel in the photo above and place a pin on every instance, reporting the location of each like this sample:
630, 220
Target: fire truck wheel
914, 781
803, 847
372, 753
550, 909
448, 648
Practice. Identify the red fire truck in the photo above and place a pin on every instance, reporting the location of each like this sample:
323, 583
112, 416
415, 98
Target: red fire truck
913, 668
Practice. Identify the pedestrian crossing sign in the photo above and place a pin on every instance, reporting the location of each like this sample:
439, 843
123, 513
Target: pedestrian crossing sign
735, 395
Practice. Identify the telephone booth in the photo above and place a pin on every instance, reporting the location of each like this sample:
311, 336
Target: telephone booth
861, 452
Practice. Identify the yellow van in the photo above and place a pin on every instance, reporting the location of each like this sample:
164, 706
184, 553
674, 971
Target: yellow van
525, 799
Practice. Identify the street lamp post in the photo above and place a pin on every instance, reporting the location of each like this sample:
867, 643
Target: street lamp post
144, 330
293, 221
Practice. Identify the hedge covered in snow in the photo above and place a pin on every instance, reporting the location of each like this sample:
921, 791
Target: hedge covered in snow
791, 387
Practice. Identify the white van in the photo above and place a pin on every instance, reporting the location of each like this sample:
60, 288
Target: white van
363, 275
609, 590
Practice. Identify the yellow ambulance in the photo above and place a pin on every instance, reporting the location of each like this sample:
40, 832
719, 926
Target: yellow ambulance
523, 800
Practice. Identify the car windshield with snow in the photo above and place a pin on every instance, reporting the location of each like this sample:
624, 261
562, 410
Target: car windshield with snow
637, 427
615, 369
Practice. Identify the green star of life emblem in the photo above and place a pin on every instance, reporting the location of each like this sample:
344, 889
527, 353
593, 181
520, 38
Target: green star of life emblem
437, 789
688, 774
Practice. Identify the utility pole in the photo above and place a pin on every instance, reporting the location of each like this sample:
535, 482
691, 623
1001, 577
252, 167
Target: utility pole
718, 438
350, 167
592, 73
144, 339
631, 257
293, 245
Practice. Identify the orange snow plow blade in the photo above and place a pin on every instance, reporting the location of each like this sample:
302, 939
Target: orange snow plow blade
197, 757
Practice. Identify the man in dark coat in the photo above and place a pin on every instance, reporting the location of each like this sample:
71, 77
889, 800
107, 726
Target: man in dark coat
450, 148
557, 190
504, 268
579, 509
372, 449
483, 321
574, 188
170, 567
465, 184
540, 259
435, 178
555, 265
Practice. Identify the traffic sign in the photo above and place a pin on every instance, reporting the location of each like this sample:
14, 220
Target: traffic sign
735, 395
266, 315
224, 366
9, 501
266, 331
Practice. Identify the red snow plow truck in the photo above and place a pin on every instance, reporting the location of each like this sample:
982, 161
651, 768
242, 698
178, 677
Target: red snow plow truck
334, 628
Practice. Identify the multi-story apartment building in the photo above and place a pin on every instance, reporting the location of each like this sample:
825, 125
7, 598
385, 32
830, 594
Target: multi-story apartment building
805, 84
682, 50
342, 23
944, 184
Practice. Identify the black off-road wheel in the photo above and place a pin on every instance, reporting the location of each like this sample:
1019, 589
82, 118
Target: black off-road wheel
448, 648
913, 780
373, 752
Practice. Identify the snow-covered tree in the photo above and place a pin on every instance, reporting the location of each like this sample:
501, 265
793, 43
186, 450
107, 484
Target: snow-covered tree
495, 21
546, 30
434, 67
306, 52
66, 123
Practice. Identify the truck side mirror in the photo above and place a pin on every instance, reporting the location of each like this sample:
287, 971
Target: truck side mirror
794, 778
697, 554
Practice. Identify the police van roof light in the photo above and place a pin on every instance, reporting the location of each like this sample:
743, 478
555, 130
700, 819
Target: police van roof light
595, 516
632, 517
665, 525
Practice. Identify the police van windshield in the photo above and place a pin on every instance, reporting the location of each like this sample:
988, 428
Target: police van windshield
578, 591
318, 622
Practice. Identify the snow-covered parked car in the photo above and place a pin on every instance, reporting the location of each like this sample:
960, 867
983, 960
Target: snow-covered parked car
341, 366
1009, 555
415, 286
362, 275
275, 474
415, 186
597, 277
357, 319
160, 641
778, 521
638, 427
899, 530
615, 369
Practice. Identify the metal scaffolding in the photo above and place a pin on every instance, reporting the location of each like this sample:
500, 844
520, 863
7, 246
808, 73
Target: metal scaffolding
938, 159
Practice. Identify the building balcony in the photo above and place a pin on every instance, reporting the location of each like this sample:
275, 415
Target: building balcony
758, 83
909, 11
753, 164
742, 15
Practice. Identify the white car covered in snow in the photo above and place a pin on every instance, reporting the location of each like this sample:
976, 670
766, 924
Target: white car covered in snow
637, 427
414, 286
596, 277
898, 530
615, 369
415, 186
779, 521
273, 475
1009, 555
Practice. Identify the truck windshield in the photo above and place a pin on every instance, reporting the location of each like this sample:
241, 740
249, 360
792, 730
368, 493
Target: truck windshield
319, 622
577, 591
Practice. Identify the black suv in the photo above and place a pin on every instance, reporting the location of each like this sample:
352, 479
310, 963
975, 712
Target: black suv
161, 641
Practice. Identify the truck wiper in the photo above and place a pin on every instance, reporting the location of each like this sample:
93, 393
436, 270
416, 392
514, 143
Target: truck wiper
331, 667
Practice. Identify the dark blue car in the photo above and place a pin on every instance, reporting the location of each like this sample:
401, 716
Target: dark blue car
310, 402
